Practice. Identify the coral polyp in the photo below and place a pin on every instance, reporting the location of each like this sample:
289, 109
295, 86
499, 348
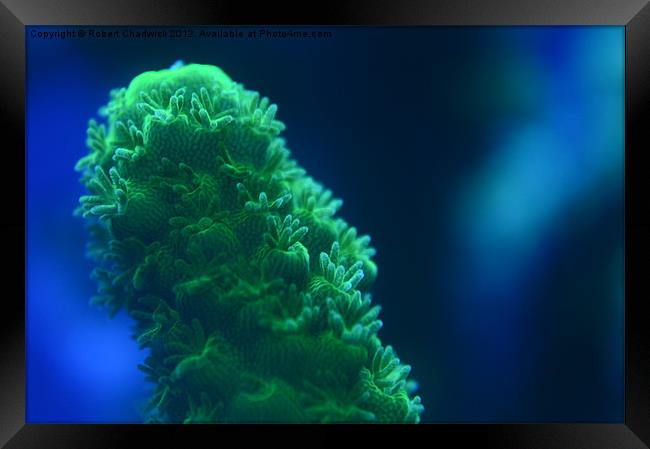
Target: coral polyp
250, 295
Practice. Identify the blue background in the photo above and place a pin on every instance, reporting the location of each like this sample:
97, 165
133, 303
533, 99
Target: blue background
486, 164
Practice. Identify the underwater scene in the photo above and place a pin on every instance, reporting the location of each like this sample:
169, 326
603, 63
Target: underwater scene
325, 225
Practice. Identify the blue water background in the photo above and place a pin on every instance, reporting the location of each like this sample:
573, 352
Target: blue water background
486, 163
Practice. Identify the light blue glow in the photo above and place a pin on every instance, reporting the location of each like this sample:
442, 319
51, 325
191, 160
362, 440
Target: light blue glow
565, 153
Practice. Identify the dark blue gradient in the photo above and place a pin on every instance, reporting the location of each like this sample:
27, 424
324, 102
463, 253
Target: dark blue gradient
486, 163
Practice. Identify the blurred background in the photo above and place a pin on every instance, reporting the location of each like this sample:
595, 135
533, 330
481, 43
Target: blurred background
486, 163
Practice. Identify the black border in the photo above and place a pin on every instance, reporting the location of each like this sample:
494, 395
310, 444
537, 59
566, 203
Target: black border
634, 14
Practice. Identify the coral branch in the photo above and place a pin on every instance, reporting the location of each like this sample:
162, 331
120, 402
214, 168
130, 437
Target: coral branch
251, 297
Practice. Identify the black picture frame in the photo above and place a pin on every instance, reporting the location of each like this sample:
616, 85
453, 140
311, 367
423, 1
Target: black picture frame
633, 14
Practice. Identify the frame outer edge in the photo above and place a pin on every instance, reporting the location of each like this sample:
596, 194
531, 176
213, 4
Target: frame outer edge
361, 12
12, 332
637, 212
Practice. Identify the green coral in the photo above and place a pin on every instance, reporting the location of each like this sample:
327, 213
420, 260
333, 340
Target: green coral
251, 298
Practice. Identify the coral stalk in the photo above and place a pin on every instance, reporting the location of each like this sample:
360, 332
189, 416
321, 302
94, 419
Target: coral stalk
251, 297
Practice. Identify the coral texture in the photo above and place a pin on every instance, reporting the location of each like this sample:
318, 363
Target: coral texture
251, 297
